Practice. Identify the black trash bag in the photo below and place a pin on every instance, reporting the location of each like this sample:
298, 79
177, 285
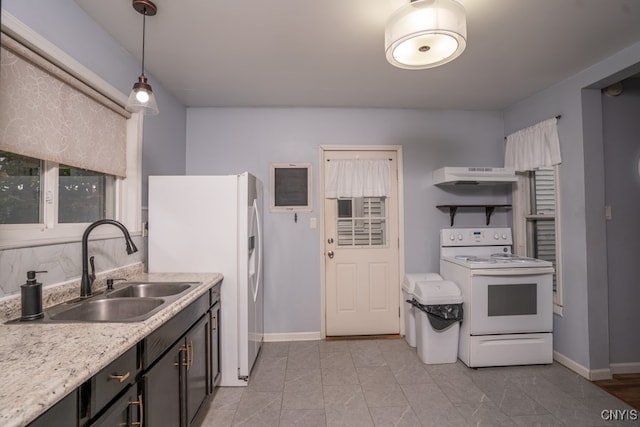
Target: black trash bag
440, 316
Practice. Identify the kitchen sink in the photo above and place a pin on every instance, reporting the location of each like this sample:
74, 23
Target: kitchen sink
149, 290
110, 310
129, 302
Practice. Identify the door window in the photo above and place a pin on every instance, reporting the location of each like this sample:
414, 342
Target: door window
361, 221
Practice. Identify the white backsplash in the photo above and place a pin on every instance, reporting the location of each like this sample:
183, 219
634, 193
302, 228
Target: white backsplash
63, 262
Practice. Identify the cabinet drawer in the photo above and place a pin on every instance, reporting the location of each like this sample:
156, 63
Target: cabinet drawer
110, 381
125, 411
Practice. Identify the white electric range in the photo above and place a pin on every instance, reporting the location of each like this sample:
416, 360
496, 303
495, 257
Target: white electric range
507, 299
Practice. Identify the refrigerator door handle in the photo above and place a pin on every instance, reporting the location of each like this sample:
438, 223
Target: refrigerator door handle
259, 248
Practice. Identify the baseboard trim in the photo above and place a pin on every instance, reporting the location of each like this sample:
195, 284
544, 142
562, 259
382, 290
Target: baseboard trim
293, 336
590, 374
625, 368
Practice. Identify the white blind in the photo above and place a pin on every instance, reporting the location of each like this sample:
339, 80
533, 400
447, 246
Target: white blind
48, 114
545, 204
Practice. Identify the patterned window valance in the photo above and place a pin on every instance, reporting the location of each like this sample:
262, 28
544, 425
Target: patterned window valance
47, 113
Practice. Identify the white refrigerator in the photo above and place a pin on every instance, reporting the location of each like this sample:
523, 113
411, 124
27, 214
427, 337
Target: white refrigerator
213, 224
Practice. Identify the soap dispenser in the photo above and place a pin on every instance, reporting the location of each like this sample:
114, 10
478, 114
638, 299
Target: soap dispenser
31, 293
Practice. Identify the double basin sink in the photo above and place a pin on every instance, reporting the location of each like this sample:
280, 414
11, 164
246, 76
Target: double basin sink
131, 302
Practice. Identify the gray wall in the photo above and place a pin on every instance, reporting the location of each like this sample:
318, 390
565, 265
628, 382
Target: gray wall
582, 333
65, 24
230, 141
621, 127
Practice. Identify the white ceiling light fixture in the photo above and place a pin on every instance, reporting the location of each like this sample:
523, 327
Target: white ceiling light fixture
142, 100
426, 34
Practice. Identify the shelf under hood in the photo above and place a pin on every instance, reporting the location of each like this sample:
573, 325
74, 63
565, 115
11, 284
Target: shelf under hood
473, 176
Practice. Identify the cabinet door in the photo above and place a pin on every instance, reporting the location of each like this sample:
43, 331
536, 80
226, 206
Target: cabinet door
162, 389
197, 352
214, 370
63, 414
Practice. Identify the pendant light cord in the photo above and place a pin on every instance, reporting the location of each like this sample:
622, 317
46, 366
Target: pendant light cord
144, 21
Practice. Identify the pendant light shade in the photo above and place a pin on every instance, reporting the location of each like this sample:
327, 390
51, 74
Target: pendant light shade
141, 99
425, 34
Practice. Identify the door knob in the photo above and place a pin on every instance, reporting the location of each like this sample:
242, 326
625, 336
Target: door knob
330, 241
330, 253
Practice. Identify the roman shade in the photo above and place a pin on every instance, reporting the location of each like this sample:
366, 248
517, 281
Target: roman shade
358, 178
48, 114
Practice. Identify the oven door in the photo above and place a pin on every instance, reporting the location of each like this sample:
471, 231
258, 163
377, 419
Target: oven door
504, 301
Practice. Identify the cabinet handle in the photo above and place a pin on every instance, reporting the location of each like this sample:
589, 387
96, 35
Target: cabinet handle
190, 355
214, 325
184, 348
138, 403
120, 378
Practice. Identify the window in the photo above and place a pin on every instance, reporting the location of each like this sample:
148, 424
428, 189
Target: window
536, 220
81, 196
41, 195
361, 221
84, 195
20, 189
43, 199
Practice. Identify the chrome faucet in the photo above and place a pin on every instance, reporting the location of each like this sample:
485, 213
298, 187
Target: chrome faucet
87, 279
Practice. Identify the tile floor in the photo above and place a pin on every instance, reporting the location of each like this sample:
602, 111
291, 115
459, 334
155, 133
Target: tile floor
384, 383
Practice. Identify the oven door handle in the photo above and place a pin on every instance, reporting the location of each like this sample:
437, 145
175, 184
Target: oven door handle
512, 271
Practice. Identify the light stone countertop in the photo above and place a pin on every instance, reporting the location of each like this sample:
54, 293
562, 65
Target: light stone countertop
41, 363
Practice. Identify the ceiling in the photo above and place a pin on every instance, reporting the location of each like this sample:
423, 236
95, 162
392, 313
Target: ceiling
330, 53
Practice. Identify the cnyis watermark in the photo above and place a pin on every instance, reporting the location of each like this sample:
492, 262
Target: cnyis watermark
619, 414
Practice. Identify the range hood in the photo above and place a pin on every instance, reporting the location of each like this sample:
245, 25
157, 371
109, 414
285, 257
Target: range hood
473, 176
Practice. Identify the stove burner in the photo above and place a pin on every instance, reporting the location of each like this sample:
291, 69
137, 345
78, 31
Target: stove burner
475, 259
508, 257
504, 256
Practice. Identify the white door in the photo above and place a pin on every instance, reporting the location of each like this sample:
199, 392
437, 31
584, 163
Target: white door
362, 257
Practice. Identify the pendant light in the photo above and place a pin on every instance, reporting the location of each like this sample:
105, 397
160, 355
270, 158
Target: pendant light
425, 34
141, 100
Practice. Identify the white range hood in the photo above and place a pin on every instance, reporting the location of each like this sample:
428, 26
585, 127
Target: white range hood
473, 176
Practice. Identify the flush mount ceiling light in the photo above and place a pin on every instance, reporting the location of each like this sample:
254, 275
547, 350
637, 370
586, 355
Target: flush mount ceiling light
141, 99
425, 34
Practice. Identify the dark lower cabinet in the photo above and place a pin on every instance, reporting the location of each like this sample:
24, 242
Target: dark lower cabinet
162, 381
62, 414
161, 389
214, 359
176, 386
196, 381
125, 411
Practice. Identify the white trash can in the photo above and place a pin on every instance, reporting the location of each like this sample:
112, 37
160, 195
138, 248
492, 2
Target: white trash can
408, 286
437, 346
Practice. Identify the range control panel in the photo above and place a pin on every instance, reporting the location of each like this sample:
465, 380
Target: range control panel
475, 236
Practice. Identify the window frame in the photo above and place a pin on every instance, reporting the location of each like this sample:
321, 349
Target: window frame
523, 221
128, 209
357, 213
